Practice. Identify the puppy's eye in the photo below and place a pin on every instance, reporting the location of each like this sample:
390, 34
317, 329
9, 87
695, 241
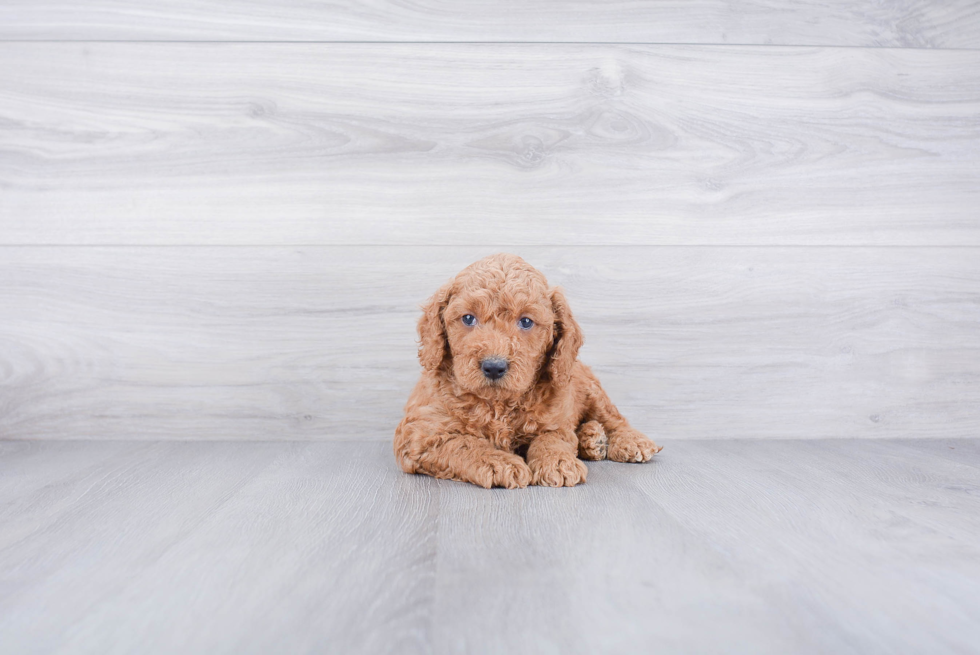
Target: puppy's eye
469, 320
526, 323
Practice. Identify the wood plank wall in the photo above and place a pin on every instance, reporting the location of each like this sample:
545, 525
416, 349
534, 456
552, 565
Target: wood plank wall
217, 220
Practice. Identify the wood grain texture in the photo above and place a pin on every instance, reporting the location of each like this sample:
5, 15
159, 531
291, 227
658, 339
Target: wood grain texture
721, 547
843, 546
319, 343
145, 551
914, 24
177, 143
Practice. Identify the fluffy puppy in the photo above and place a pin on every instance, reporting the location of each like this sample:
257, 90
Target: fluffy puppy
503, 400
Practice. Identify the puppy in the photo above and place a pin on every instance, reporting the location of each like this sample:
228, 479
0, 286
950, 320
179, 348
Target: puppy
503, 400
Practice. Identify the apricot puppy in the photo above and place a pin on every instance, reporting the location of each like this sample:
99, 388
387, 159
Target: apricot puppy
503, 400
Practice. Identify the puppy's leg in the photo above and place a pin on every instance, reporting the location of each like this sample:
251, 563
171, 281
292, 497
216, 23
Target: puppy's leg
463, 457
626, 444
592, 441
553, 459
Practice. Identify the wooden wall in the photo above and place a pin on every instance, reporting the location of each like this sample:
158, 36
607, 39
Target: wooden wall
217, 220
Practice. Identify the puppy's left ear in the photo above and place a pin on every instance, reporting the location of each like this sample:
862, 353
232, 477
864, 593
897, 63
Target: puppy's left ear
567, 340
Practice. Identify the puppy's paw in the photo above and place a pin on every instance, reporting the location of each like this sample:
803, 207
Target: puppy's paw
557, 469
499, 469
592, 441
631, 446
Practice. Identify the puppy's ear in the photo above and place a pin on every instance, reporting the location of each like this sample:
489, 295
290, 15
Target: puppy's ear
433, 345
567, 340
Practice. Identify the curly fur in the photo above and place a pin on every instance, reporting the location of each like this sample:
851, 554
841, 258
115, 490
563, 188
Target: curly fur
532, 425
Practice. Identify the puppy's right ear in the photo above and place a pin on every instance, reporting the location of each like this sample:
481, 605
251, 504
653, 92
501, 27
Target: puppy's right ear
433, 344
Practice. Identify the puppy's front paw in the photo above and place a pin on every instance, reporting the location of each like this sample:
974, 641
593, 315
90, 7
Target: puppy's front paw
557, 469
499, 469
631, 446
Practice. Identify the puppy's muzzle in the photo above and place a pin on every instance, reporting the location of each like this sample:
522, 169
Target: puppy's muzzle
494, 368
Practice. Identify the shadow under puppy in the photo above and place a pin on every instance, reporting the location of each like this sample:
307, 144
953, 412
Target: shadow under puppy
501, 379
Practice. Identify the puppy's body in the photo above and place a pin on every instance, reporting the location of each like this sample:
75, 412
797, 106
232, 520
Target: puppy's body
467, 420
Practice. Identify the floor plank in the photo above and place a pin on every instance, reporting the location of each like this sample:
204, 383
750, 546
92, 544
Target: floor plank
917, 24
183, 143
872, 532
599, 568
319, 343
845, 546
321, 548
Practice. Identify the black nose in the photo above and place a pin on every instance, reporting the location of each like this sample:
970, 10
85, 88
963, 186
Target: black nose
493, 367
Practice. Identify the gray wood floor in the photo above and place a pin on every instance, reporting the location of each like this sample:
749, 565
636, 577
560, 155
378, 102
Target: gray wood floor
817, 546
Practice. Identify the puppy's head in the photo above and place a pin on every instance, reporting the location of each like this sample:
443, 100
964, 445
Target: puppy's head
497, 329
